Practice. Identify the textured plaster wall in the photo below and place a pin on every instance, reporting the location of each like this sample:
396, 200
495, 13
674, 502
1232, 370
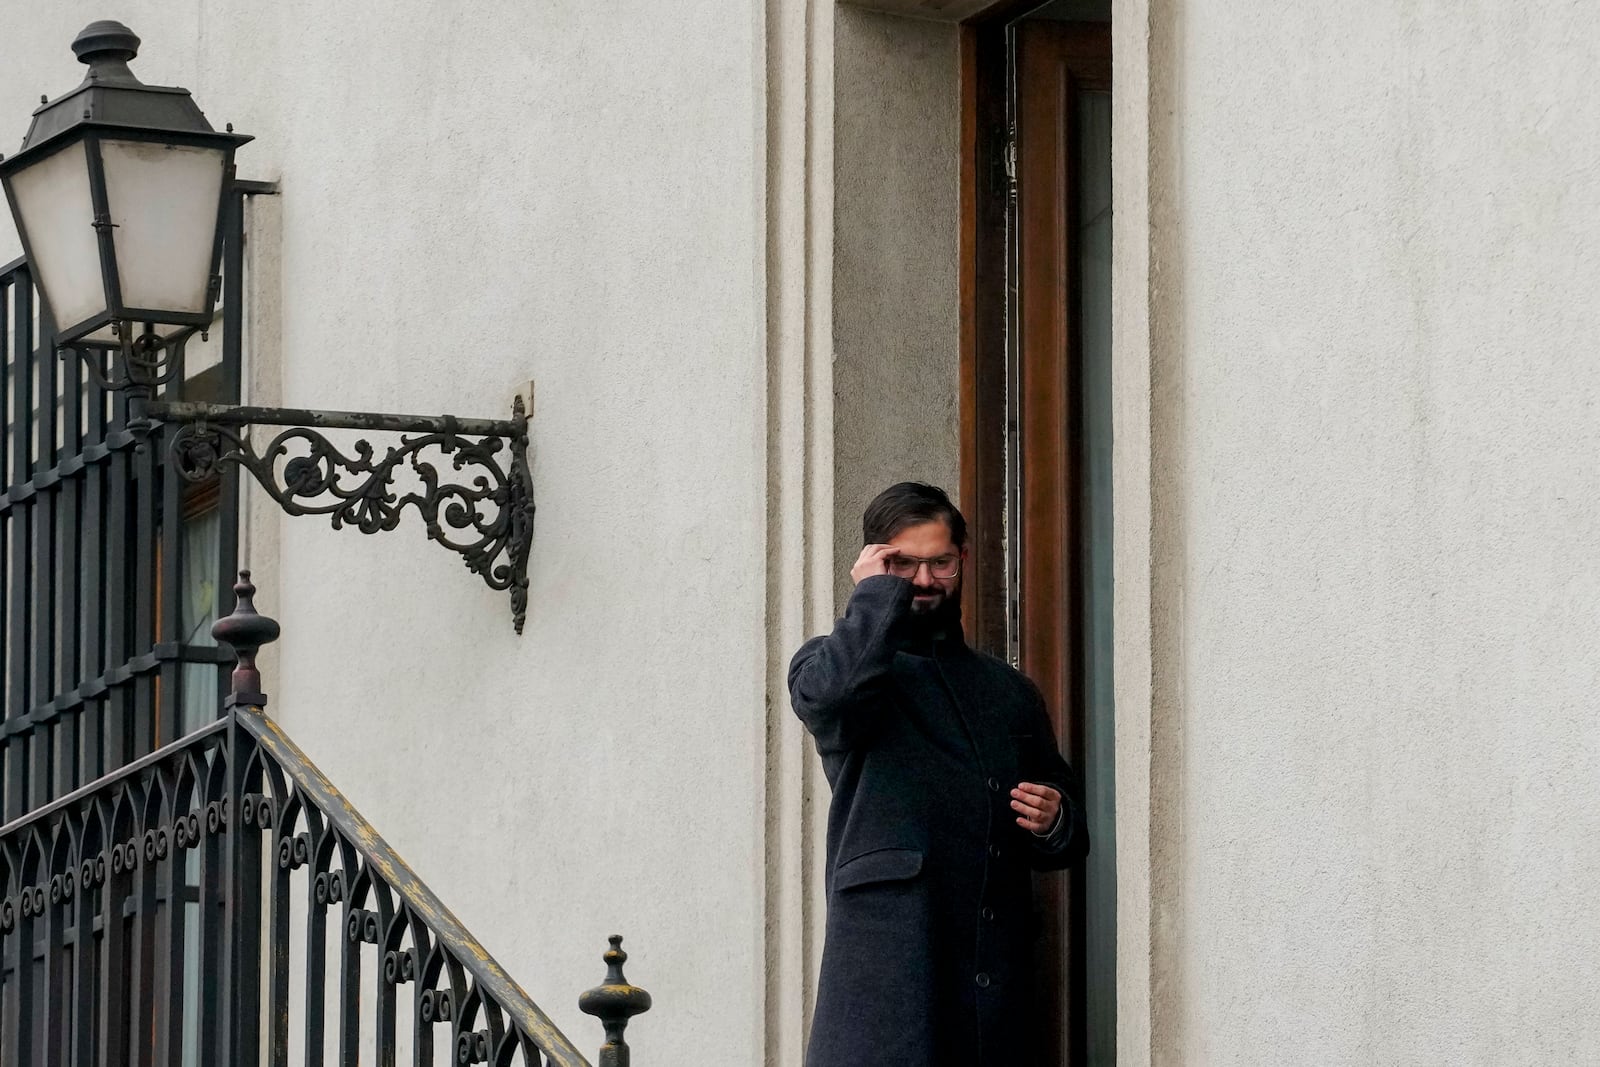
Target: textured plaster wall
896, 123
1376, 411
474, 196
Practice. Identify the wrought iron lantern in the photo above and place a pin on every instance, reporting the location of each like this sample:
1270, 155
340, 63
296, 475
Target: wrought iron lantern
118, 194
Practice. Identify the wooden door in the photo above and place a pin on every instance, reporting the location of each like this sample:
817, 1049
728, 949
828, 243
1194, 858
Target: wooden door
1055, 62
1029, 486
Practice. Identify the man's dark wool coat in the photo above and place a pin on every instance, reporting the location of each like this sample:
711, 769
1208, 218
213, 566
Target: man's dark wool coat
930, 928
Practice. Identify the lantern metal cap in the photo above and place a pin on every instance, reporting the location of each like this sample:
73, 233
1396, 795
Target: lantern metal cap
111, 95
107, 43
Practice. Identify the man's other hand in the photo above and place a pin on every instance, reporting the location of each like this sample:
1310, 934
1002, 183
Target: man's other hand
1037, 807
874, 559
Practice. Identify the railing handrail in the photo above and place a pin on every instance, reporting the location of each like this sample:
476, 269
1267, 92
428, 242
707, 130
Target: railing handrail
441, 922
99, 785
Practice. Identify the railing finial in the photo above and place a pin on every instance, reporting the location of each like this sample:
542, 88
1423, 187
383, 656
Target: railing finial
246, 630
614, 1002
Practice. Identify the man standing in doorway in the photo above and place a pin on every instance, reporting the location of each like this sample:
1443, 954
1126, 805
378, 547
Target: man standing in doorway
948, 788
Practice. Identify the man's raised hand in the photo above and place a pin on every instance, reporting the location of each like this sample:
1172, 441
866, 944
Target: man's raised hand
1037, 806
874, 559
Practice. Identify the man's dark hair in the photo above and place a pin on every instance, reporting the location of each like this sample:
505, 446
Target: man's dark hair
910, 504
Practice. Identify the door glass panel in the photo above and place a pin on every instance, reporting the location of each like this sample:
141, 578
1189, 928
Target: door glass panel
1092, 247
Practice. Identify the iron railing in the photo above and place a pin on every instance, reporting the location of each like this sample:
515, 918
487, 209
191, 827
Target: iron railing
218, 902
96, 654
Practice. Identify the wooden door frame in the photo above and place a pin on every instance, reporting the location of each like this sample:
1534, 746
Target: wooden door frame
983, 310
982, 251
1055, 61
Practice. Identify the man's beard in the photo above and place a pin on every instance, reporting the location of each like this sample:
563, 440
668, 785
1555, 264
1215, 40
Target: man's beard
947, 601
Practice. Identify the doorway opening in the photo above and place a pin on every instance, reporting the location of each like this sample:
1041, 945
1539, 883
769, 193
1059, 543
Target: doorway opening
1035, 432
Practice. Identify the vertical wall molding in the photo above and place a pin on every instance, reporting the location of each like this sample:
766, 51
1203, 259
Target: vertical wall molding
259, 525
1148, 558
796, 276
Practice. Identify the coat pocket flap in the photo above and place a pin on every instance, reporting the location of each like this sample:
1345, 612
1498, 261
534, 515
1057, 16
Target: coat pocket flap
879, 865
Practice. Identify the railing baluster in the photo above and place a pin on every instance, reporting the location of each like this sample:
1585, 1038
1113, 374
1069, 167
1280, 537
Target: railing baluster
22, 1005
147, 731
7, 283
319, 891
146, 987
41, 788
385, 999
118, 603
69, 565
9, 938
7, 637
421, 1022
56, 962
282, 860
85, 969
169, 602
350, 978
170, 948
214, 887
20, 550
92, 594
244, 897
114, 1029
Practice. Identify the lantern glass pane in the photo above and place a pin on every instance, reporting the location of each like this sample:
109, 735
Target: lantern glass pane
57, 217
164, 200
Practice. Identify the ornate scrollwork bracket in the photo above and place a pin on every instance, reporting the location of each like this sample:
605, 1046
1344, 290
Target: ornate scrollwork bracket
473, 488
141, 363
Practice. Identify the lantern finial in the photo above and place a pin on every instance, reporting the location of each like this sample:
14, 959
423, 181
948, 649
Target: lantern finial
106, 43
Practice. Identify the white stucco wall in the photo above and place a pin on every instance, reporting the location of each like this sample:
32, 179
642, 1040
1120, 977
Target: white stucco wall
1373, 390
474, 196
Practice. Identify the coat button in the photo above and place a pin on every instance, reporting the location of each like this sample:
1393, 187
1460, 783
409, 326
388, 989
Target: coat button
994, 785
994, 852
988, 913
982, 980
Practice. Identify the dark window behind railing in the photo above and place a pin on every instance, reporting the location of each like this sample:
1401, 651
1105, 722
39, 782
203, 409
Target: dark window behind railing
106, 557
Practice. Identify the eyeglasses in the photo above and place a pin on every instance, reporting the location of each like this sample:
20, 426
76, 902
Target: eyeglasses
938, 566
